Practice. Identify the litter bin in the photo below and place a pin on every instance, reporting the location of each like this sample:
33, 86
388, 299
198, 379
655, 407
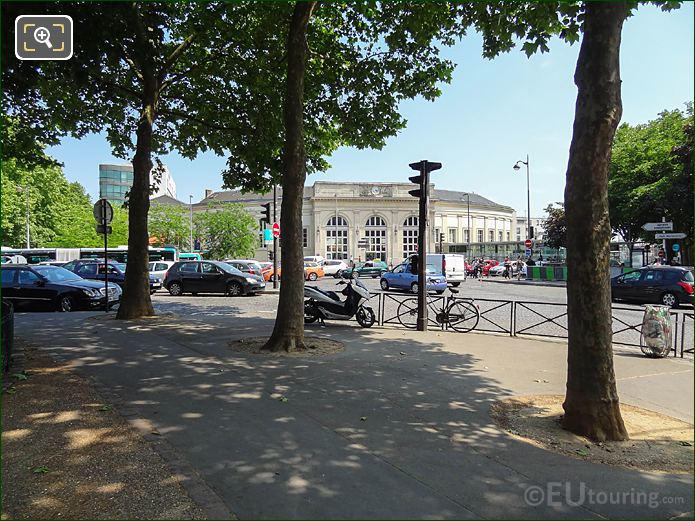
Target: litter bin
656, 336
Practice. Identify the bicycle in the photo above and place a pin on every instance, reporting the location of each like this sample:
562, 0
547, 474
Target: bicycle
461, 315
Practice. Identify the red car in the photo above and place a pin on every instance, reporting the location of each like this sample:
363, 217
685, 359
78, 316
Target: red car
487, 265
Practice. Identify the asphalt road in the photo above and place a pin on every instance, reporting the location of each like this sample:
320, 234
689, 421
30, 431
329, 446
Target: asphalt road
540, 310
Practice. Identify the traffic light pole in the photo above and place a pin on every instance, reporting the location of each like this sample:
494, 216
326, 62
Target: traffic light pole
422, 250
275, 240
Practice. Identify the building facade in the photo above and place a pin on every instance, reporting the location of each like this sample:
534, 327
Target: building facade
538, 225
338, 217
116, 180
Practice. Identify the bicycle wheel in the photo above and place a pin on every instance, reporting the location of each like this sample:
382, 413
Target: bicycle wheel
463, 316
407, 313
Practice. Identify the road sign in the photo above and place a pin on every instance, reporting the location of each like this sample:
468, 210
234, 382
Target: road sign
268, 235
528, 243
676, 247
276, 230
100, 207
529, 252
363, 244
100, 229
677, 235
655, 227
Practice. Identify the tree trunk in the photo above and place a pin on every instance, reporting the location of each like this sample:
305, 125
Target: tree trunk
136, 301
288, 333
591, 402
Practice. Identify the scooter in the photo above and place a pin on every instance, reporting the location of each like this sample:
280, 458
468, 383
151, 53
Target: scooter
322, 305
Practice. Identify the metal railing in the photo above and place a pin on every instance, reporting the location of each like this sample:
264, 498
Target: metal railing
540, 319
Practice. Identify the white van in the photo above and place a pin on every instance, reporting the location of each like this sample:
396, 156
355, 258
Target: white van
451, 265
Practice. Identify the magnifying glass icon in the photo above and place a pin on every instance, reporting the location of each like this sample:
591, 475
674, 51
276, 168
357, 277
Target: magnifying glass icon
43, 35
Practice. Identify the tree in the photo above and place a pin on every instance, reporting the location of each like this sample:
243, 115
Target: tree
591, 401
645, 183
169, 224
681, 188
77, 228
50, 197
555, 226
226, 230
119, 79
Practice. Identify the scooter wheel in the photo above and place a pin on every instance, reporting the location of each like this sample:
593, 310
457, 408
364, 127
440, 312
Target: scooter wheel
365, 317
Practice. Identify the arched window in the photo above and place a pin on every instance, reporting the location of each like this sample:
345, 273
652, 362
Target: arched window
375, 233
410, 233
337, 238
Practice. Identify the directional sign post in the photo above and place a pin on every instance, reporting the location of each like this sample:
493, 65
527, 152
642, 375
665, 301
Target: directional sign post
676, 235
655, 227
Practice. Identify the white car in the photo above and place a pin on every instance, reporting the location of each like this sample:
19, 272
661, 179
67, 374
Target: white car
315, 258
331, 267
499, 269
159, 268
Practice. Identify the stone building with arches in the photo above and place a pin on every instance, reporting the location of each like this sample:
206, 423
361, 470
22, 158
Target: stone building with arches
337, 216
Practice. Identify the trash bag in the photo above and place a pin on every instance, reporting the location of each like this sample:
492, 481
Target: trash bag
656, 338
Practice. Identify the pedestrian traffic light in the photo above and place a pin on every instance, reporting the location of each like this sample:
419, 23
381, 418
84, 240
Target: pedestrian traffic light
266, 213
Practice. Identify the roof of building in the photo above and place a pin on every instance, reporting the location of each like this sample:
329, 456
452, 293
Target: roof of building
165, 199
236, 196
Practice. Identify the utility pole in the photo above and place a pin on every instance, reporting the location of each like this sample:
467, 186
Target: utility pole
468, 200
27, 221
275, 239
335, 252
190, 204
423, 180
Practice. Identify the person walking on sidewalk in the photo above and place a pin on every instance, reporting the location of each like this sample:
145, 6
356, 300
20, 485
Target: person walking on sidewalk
507, 268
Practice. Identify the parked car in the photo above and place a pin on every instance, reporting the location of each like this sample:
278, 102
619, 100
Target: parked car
403, 277
210, 277
372, 269
499, 269
246, 266
267, 271
95, 269
315, 258
54, 288
312, 270
334, 267
14, 259
451, 265
667, 285
159, 268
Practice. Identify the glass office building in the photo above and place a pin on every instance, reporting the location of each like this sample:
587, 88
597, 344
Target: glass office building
115, 182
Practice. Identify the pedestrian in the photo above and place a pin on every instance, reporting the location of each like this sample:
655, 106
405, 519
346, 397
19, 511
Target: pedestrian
507, 268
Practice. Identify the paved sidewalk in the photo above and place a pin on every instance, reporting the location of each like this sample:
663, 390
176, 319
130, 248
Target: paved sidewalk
396, 426
524, 282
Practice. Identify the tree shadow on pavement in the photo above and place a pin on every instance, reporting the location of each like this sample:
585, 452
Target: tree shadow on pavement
388, 428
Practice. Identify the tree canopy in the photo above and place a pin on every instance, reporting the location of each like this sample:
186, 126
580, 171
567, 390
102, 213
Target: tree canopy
226, 230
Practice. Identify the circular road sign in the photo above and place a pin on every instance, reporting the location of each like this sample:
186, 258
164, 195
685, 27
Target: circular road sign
676, 247
528, 243
276, 230
101, 207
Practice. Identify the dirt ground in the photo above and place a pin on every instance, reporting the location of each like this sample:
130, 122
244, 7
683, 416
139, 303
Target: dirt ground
316, 346
68, 454
657, 442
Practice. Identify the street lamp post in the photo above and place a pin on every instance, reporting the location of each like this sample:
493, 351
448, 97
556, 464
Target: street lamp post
25, 190
528, 195
190, 204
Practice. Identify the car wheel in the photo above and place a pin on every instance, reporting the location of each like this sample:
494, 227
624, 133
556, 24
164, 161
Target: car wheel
313, 276
355, 274
669, 299
66, 303
234, 289
175, 289
414, 287
456, 284
384, 284
440, 291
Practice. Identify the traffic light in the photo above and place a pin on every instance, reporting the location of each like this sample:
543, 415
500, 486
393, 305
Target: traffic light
422, 180
530, 233
266, 212
441, 237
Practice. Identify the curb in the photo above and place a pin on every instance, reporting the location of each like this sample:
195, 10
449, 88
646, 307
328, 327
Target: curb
529, 283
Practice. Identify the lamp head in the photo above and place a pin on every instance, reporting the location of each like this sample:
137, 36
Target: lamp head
516, 166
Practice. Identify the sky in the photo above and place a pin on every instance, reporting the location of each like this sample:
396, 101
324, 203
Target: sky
493, 113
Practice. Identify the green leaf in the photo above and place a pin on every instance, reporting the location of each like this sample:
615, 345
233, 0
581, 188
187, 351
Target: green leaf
39, 469
20, 376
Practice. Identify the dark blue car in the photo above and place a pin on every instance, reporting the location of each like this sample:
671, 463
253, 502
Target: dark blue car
95, 269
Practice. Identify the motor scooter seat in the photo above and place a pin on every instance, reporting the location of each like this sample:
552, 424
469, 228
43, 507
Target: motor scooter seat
330, 294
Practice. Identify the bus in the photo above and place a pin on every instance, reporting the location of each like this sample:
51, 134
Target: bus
118, 254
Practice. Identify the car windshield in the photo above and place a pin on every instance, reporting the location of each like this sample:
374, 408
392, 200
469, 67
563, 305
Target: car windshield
120, 265
688, 277
431, 270
54, 274
229, 268
310, 264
